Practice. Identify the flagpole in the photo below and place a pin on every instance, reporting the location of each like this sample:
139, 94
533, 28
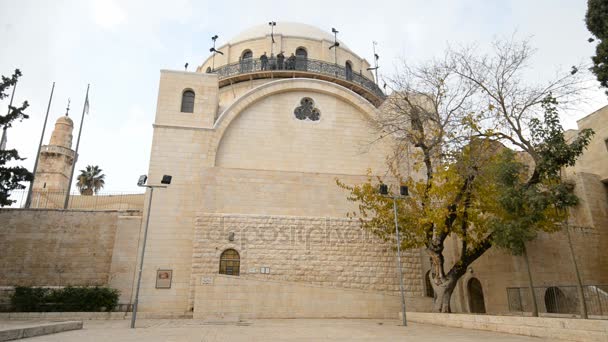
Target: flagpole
28, 201
3, 139
84, 109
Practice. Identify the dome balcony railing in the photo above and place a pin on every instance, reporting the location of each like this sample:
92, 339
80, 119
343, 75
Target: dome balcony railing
248, 69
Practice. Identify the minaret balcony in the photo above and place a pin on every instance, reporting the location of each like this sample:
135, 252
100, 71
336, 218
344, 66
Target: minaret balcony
250, 69
54, 149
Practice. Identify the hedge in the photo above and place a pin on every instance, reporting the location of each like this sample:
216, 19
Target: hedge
67, 299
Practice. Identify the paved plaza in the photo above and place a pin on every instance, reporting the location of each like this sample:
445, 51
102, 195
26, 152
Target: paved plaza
271, 330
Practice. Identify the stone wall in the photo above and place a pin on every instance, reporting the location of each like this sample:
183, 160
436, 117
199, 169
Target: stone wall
233, 298
48, 247
565, 329
329, 252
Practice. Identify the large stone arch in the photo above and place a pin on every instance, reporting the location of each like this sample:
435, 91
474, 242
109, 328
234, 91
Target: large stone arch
277, 87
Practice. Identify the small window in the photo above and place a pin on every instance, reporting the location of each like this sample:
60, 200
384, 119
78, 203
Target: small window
606, 142
230, 262
188, 101
208, 70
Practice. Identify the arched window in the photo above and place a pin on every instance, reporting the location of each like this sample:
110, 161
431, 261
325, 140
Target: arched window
476, 301
247, 54
247, 61
557, 302
230, 262
349, 70
208, 70
187, 101
301, 56
429, 292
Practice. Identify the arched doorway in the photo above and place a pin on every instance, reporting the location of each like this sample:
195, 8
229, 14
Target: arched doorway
301, 56
476, 301
349, 71
555, 300
230, 262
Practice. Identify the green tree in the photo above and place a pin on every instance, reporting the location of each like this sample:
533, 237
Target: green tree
597, 23
450, 119
90, 180
11, 177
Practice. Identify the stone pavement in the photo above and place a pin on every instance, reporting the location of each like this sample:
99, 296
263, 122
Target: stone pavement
273, 330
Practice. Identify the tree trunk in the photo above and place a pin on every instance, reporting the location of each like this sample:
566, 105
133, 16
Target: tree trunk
443, 293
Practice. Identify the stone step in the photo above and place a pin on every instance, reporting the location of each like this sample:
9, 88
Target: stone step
37, 329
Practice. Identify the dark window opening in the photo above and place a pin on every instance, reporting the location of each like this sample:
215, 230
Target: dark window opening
187, 102
349, 71
301, 56
247, 61
230, 262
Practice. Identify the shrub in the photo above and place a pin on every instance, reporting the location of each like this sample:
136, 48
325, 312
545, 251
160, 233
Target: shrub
29, 299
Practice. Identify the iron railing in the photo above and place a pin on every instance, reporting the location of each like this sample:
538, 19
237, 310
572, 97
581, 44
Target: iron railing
560, 299
251, 65
100, 201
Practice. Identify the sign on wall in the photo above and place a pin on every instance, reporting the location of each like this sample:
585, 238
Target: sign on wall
163, 279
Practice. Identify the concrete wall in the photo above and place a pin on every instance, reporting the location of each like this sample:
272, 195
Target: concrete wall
46, 247
232, 298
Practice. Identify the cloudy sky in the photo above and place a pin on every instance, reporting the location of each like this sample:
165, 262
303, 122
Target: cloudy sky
120, 46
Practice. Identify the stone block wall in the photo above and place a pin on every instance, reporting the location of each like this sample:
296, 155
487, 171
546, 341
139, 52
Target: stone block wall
49, 247
232, 298
328, 252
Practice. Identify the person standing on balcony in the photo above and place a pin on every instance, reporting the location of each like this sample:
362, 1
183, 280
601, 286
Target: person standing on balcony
291, 62
264, 61
273, 62
280, 60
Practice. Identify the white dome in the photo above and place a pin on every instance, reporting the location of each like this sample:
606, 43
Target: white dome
285, 28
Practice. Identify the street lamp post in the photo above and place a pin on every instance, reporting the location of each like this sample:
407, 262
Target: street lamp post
403, 192
142, 182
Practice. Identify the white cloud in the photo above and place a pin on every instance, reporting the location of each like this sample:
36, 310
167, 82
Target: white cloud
108, 14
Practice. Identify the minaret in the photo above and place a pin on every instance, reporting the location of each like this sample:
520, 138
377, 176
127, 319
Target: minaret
56, 158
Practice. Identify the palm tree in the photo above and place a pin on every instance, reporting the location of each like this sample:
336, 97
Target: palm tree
90, 180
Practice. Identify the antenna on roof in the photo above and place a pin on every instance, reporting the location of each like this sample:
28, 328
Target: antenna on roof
214, 38
272, 24
335, 45
67, 109
376, 58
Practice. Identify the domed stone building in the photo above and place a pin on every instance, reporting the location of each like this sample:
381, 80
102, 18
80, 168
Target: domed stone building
255, 145
254, 225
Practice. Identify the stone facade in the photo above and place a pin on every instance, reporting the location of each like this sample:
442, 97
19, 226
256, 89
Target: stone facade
234, 298
40, 247
328, 252
242, 162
